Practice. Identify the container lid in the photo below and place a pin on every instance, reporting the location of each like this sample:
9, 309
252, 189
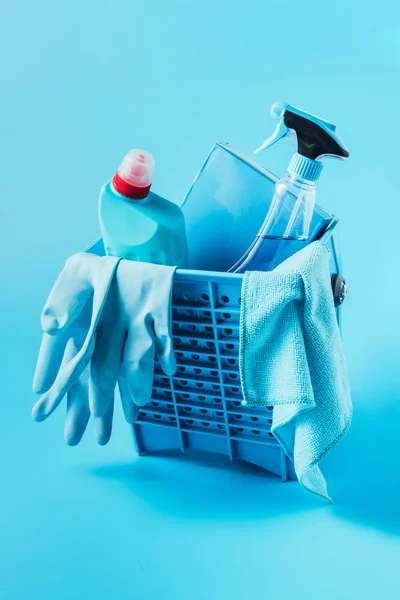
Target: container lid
135, 174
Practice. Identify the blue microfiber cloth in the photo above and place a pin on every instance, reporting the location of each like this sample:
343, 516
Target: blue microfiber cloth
291, 358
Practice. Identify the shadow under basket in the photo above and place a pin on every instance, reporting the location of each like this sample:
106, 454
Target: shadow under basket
200, 407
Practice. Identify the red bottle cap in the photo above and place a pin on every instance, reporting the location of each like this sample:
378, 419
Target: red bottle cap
134, 176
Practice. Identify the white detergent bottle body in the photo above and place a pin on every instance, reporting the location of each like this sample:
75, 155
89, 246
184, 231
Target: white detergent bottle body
137, 224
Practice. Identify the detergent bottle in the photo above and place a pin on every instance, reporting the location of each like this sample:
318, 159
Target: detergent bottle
137, 224
292, 206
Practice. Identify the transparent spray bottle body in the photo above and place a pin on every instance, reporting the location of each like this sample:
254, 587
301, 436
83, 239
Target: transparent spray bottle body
288, 219
289, 216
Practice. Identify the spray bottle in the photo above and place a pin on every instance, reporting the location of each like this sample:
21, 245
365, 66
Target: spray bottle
292, 206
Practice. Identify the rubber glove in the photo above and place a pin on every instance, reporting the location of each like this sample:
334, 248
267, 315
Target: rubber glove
136, 325
68, 340
134, 322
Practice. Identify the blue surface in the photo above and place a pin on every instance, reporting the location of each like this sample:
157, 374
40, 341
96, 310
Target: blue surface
80, 86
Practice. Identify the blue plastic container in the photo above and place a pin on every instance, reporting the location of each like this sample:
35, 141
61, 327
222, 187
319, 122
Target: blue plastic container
199, 408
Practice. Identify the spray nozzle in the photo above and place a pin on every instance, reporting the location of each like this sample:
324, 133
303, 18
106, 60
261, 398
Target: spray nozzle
315, 137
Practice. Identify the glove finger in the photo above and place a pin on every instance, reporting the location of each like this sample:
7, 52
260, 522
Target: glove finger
165, 354
49, 360
138, 363
53, 352
163, 325
105, 367
131, 410
103, 426
72, 367
78, 412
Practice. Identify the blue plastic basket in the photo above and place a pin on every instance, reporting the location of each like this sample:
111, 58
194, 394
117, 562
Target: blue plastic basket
199, 408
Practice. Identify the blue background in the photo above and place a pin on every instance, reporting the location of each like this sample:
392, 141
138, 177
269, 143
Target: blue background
81, 83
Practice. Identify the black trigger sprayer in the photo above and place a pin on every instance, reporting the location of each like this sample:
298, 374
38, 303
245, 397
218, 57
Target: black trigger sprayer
292, 205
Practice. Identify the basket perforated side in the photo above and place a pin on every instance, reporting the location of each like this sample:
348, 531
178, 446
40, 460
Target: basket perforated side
200, 406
